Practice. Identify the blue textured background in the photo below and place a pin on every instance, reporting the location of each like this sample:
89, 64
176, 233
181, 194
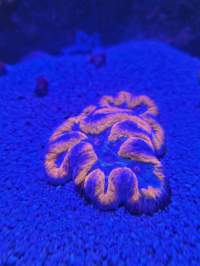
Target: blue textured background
45, 225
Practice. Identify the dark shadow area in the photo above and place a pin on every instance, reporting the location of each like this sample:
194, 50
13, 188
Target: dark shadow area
27, 26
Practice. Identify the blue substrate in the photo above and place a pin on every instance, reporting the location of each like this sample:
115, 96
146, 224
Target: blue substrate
41, 224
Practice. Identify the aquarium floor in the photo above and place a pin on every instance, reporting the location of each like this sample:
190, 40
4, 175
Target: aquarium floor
41, 224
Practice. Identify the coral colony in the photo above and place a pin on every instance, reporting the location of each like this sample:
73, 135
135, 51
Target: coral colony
104, 150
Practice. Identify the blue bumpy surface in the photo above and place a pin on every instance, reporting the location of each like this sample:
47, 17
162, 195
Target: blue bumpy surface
46, 225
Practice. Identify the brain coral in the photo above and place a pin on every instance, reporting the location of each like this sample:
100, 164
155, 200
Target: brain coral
110, 151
